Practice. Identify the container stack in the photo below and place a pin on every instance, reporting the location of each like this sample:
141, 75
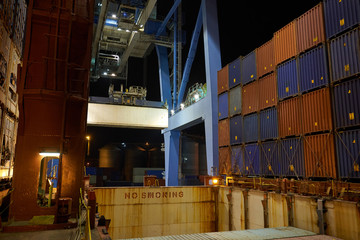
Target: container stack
300, 97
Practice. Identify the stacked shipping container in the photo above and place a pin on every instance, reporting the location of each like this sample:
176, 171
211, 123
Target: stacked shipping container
299, 98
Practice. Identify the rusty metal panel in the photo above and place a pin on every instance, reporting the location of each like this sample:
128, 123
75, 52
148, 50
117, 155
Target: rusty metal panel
267, 91
237, 159
223, 79
285, 43
147, 212
310, 28
278, 211
256, 210
319, 152
269, 158
343, 219
305, 215
224, 132
291, 157
316, 111
289, 117
250, 98
265, 61
224, 160
235, 101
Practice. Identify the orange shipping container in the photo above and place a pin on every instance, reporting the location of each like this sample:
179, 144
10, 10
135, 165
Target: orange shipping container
319, 153
223, 79
224, 160
250, 101
267, 91
285, 43
289, 117
265, 61
316, 111
310, 28
224, 132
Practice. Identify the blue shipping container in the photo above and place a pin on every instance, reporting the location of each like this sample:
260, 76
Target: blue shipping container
268, 124
269, 158
345, 55
235, 73
348, 149
347, 104
340, 15
237, 160
248, 68
235, 100
223, 105
236, 129
287, 79
250, 132
291, 157
252, 159
313, 69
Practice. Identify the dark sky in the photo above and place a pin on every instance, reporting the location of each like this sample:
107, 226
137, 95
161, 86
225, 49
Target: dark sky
241, 28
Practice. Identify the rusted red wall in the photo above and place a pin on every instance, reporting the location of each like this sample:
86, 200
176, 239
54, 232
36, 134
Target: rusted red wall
250, 98
224, 160
285, 43
289, 117
223, 79
224, 132
265, 60
319, 152
267, 91
310, 28
53, 93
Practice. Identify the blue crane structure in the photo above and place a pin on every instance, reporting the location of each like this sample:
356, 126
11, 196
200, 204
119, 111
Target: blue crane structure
204, 110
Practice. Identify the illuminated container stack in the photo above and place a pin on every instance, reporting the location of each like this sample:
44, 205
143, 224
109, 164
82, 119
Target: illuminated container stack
300, 94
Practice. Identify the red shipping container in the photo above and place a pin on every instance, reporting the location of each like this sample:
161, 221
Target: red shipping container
310, 28
223, 79
224, 160
319, 151
316, 111
285, 43
289, 117
224, 132
265, 61
250, 101
267, 91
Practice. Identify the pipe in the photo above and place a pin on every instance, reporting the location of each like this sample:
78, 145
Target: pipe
175, 60
191, 56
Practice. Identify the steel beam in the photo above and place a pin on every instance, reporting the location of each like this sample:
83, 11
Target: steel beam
172, 150
167, 18
191, 57
165, 88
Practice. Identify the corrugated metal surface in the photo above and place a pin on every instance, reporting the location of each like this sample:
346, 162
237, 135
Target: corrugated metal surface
235, 72
237, 159
345, 55
289, 117
19, 25
235, 101
224, 160
252, 159
348, 149
224, 132
267, 91
347, 103
285, 43
316, 111
236, 129
223, 105
313, 69
319, 152
265, 60
248, 68
8, 14
310, 28
223, 79
268, 124
251, 128
291, 157
287, 79
269, 158
250, 98
340, 15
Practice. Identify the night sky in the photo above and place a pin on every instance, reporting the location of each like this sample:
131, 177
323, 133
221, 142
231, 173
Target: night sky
241, 29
